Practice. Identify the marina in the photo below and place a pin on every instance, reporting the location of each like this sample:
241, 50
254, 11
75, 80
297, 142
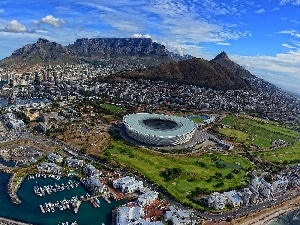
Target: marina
30, 210
49, 189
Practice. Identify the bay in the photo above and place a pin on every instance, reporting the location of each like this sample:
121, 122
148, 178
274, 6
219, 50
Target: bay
29, 211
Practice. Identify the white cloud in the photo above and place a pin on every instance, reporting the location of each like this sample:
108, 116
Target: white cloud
141, 36
290, 32
15, 26
287, 46
2, 11
260, 11
223, 43
282, 69
51, 20
293, 2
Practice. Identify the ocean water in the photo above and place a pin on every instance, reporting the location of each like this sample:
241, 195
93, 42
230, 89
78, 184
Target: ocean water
291, 218
29, 211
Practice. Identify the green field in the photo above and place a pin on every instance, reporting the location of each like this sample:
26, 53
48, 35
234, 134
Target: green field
112, 109
254, 131
197, 119
285, 156
207, 172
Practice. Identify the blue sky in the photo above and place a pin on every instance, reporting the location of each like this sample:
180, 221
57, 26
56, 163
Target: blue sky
261, 35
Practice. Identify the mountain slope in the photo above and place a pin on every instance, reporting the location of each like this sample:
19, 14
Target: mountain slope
193, 71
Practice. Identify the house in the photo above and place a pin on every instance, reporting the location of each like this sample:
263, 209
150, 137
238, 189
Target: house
216, 200
52, 157
74, 163
233, 198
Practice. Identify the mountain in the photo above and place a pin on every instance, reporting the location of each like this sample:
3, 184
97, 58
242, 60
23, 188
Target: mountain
41, 51
95, 50
255, 82
194, 71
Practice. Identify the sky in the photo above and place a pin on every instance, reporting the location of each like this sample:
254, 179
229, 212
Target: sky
261, 35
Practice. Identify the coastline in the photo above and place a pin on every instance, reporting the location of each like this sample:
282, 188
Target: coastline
264, 217
5, 221
12, 191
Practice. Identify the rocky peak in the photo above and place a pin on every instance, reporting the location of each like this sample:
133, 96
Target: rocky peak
42, 40
221, 55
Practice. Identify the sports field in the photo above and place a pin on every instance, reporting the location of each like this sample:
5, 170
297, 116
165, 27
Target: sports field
179, 175
254, 131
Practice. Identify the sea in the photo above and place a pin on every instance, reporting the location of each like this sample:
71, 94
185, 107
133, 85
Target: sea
30, 212
290, 218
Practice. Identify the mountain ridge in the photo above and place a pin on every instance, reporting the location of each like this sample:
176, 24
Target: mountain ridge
93, 50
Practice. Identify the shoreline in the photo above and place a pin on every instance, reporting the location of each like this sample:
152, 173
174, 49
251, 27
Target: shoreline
12, 192
264, 217
6, 221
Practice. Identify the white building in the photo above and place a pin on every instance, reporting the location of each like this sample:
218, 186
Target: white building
217, 201
280, 184
147, 198
265, 189
75, 163
52, 157
245, 195
95, 185
133, 215
90, 170
128, 184
233, 198
177, 216
14, 124
45, 167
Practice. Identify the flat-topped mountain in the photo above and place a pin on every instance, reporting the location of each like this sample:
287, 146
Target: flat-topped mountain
95, 50
114, 47
194, 71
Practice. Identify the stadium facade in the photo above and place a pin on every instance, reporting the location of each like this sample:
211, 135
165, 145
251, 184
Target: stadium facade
159, 129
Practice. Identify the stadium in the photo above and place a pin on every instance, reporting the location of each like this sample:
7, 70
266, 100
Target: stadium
159, 129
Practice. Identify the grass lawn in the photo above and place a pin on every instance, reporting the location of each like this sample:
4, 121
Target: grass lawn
255, 131
288, 155
197, 119
113, 108
195, 171
237, 135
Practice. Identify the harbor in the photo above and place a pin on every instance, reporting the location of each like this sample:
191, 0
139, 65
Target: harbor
29, 211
